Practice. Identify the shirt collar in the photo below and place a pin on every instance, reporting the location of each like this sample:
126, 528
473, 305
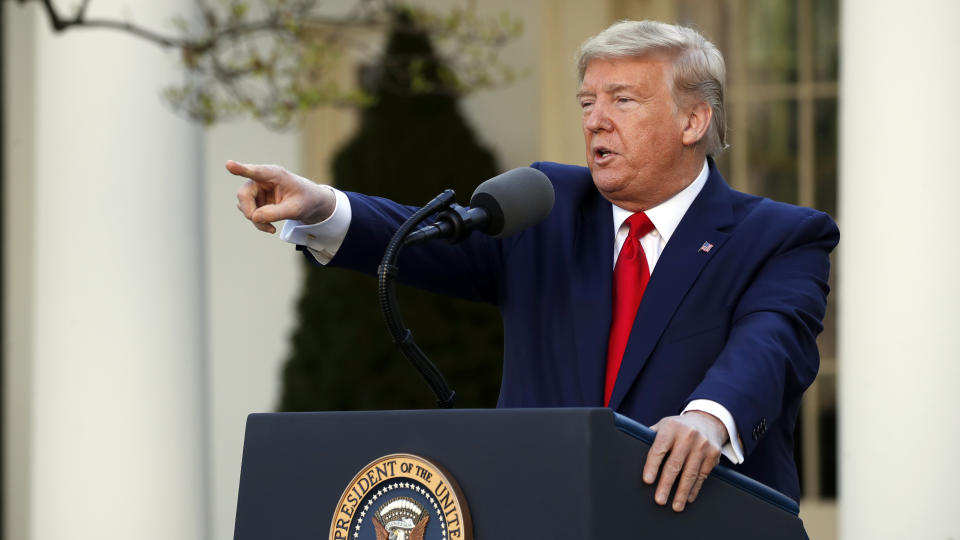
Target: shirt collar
666, 216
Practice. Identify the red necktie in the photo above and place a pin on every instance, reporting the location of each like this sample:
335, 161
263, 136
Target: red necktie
630, 277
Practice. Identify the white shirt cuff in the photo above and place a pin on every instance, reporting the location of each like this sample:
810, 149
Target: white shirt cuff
733, 450
322, 239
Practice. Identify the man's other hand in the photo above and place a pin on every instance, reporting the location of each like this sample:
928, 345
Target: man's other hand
688, 446
272, 193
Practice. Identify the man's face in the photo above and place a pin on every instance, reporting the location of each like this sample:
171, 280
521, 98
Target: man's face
633, 131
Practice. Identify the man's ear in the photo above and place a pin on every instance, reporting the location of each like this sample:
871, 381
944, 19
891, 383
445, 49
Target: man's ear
697, 122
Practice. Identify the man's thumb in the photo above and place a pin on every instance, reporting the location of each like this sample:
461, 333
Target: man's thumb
269, 213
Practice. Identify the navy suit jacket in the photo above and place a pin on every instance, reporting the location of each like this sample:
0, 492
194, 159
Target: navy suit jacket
736, 324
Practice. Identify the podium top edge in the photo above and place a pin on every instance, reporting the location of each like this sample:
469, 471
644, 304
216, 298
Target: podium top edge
622, 423
726, 474
573, 411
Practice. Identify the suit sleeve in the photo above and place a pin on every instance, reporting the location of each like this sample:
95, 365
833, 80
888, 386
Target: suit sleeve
470, 270
771, 354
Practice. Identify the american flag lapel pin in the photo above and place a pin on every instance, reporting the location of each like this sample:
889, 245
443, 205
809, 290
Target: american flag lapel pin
705, 248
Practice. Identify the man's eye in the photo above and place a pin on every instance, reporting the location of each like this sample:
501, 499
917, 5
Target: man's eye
586, 104
623, 100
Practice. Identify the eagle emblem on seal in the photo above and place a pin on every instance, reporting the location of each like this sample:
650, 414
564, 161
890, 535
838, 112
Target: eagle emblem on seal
401, 518
401, 497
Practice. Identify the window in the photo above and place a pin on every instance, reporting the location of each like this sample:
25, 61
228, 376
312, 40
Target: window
782, 68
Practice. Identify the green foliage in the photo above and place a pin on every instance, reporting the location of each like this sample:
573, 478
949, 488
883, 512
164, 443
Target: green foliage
410, 146
273, 59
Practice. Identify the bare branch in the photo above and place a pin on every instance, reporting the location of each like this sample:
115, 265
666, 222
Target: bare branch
278, 62
271, 23
130, 28
61, 24
82, 11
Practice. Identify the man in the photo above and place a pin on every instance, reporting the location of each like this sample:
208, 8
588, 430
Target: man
651, 288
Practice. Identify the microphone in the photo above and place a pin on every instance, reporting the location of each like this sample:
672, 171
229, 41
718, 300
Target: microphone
500, 206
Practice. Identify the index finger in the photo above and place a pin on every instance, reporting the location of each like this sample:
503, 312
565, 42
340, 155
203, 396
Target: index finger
257, 173
658, 450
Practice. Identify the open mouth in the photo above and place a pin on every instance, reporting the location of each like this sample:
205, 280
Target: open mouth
600, 153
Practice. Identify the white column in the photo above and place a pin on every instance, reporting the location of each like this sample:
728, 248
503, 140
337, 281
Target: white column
118, 381
254, 280
899, 266
18, 250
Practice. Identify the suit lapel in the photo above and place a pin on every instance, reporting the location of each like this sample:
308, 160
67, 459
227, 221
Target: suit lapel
676, 271
590, 293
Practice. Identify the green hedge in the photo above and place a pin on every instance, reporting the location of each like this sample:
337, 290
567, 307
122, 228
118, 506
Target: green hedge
409, 147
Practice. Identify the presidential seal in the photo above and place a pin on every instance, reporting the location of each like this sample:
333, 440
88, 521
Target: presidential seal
402, 497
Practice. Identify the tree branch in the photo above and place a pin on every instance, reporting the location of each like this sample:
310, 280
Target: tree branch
272, 22
127, 27
82, 11
278, 62
79, 20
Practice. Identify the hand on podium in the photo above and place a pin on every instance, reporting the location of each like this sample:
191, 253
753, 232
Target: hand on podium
691, 445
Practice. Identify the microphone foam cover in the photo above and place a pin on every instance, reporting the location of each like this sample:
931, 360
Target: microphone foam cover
514, 200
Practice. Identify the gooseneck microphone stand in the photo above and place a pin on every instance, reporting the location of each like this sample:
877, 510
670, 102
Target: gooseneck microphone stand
500, 206
386, 276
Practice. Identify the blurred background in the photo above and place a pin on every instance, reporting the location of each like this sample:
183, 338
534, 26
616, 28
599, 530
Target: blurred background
144, 318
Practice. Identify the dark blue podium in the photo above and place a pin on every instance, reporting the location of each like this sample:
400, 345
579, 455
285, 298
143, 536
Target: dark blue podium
525, 474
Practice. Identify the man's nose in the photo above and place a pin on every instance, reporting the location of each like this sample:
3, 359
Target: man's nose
597, 119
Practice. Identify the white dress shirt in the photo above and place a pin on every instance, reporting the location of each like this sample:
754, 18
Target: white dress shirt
666, 218
324, 239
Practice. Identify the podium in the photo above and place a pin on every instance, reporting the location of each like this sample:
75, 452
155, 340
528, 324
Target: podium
523, 473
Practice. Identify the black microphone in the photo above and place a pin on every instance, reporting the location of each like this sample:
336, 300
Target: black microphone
501, 206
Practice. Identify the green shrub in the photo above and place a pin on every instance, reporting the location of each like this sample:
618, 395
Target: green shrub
409, 147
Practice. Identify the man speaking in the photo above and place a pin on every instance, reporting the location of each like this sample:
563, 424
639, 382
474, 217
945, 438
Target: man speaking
652, 287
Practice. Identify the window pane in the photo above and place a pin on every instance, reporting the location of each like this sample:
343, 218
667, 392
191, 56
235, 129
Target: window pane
771, 41
723, 165
825, 40
825, 146
772, 134
709, 17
